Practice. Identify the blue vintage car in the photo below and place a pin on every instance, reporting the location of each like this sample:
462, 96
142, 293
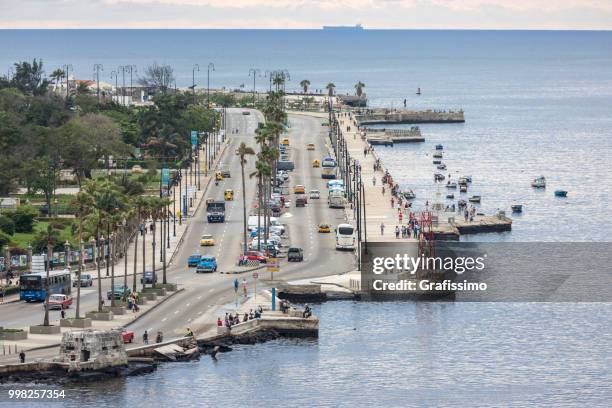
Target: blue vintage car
207, 264
193, 260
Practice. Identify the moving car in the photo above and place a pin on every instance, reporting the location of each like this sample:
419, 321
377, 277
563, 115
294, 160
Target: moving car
207, 264
295, 255
86, 280
300, 200
193, 260
120, 291
226, 173
285, 142
59, 301
299, 189
310, 146
228, 194
324, 228
316, 163
148, 278
345, 236
315, 194
207, 240
218, 176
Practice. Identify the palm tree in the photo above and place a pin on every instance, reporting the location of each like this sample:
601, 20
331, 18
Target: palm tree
359, 87
262, 170
242, 152
82, 89
140, 212
330, 88
49, 256
83, 203
304, 83
56, 76
278, 81
157, 208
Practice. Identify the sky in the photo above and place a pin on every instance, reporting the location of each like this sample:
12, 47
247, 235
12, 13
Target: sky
266, 14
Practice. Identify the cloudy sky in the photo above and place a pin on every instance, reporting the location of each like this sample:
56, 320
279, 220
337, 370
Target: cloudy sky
494, 14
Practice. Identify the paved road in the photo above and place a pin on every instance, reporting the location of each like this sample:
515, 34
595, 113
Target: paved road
195, 306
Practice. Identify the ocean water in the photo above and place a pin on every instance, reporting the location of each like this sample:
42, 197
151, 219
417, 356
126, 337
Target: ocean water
536, 103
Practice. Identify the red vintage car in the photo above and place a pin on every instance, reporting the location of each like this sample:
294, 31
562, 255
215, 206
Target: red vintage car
252, 256
59, 301
127, 335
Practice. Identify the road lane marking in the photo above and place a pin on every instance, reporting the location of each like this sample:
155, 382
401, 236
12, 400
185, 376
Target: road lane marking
164, 319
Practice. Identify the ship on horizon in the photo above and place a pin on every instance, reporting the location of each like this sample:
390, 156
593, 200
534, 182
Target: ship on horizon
356, 27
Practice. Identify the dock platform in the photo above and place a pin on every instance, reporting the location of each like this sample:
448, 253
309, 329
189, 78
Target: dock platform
406, 116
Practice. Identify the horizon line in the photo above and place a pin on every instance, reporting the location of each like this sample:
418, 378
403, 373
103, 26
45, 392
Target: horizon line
299, 29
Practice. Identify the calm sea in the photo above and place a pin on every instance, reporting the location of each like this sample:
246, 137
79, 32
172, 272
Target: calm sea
536, 103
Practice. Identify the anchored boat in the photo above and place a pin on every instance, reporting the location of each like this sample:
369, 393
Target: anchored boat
409, 195
451, 184
442, 166
517, 208
539, 182
450, 196
439, 177
474, 199
560, 193
463, 188
438, 155
439, 147
437, 161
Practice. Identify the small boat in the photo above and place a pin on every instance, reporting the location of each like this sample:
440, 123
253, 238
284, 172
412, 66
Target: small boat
560, 193
451, 185
439, 177
438, 161
439, 147
450, 196
461, 203
463, 188
463, 180
468, 179
418, 92
409, 195
438, 155
539, 182
442, 166
517, 208
474, 199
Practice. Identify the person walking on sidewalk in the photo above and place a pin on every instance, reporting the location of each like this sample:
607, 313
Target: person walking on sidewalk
22, 357
382, 228
145, 337
397, 232
244, 287
373, 180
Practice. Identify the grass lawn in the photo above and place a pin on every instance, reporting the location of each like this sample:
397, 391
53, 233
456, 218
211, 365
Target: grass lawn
22, 239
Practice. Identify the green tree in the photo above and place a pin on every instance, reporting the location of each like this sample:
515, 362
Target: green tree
242, 152
29, 79
57, 75
330, 88
304, 83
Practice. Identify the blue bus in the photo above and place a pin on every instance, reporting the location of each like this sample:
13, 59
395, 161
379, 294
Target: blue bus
328, 168
32, 285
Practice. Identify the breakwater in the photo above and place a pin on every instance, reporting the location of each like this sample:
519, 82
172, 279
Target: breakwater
406, 116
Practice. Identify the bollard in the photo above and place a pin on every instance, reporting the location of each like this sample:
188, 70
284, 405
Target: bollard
273, 299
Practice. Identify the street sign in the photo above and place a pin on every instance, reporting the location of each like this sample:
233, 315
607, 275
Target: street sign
272, 265
38, 263
165, 177
194, 138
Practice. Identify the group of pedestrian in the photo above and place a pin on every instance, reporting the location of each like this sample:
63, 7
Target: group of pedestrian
233, 319
159, 338
132, 301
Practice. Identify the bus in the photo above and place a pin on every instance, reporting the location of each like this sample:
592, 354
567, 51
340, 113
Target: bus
345, 236
328, 168
32, 286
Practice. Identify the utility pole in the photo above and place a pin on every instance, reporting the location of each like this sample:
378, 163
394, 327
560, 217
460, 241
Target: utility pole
131, 69
210, 66
122, 68
97, 69
196, 67
115, 75
254, 72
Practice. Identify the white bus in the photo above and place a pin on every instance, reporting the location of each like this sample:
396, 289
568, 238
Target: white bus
336, 198
345, 236
328, 168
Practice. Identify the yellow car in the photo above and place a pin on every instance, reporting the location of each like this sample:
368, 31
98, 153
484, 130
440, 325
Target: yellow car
219, 175
299, 189
229, 194
310, 146
207, 240
285, 142
324, 228
316, 163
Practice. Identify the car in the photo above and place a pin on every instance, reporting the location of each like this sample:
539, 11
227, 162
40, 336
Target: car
207, 264
226, 173
310, 146
193, 260
219, 175
228, 195
148, 278
59, 301
136, 169
324, 228
277, 230
126, 334
283, 175
314, 194
86, 280
316, 163
246, 113
254, 256
207, 240
300, 200
295, 254
299, 189
120, 291
285, 142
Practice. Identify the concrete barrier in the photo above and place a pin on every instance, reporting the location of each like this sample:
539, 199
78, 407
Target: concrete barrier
77, 323
45, 329
13, 335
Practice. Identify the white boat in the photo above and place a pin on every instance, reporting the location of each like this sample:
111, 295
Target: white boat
474, 199
539, 182
451, 184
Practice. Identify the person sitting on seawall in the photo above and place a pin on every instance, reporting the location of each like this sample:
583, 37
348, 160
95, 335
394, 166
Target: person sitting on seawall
307, 312
284, 306
219, 322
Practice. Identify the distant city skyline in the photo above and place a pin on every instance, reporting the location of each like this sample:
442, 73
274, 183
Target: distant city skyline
305, 14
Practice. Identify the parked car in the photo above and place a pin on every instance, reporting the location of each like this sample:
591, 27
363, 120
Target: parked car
295, 254
120, 291
315, 194
207, 264
299, 189
59, 301
246, 112
193, 260
253, 256
126, 334
86, 280
148, 278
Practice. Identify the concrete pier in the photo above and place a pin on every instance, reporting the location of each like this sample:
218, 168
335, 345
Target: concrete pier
388, 137
389, 116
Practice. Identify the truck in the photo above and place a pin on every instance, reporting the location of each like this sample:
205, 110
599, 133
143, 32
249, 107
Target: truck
215, 211
336, 198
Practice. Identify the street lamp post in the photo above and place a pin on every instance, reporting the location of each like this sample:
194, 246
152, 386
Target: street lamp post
195, 68
114, 74
97, 69
131, 69
210, 66
254, 72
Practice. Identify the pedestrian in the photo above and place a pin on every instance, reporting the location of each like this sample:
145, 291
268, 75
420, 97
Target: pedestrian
219, 322
63, 314
382, 228
397, 232
392, 202
189, 332
401, 216
22, 357
160, 337
145, 337
236, 284
1, 293
244, 287
373, 180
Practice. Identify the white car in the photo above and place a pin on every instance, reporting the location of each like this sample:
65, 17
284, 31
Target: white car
277, 230
316, 194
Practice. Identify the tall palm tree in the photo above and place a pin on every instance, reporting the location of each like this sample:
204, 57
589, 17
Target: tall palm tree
242, 152
83, 203
359, 87
140, 213
49, 256
262, 170
330, 88
304, 83
82, 89
56, 76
